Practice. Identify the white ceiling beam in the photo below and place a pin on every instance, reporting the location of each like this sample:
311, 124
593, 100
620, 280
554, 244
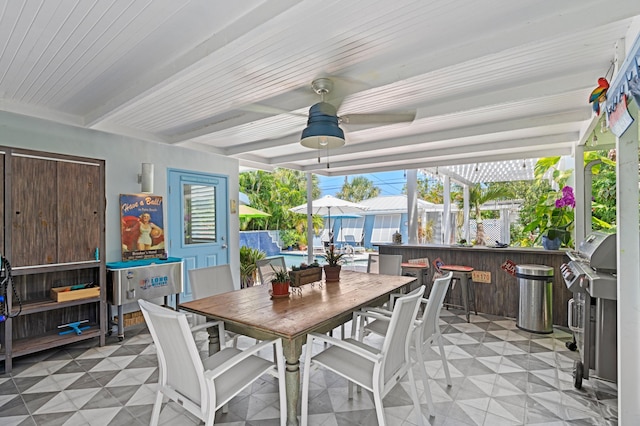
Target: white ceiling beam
446, 135
41, 112
340, 169
468, 152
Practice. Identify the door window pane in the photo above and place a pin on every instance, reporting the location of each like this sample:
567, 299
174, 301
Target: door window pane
199, 214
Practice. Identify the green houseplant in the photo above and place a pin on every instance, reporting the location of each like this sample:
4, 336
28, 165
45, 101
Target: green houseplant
554, 215
334, 264
280, 281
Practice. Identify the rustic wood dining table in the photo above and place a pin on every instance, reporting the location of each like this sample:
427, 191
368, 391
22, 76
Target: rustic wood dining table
320, 308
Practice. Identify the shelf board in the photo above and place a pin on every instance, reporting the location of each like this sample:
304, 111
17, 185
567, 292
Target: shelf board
39, 343
49, 305
38, 269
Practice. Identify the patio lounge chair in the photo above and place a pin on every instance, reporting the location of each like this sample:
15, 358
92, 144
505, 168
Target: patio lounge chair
350, 240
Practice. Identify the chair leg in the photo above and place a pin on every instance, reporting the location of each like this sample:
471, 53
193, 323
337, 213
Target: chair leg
377, 400
414, 397
157, 406
445, 364
304, 413
425, 378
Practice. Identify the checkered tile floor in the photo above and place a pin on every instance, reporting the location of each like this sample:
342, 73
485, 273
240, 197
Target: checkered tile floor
501, 376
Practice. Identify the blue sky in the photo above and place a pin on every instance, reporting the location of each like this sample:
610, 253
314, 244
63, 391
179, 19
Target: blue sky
390, 183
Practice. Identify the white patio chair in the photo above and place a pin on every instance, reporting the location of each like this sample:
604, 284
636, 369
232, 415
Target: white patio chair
377, 370
385, 264
266, 266
203, 386
426, 332
210, 281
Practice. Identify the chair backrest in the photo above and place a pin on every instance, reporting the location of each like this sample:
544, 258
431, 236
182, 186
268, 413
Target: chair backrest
386, 264
350, 239
210, 281
390, 264
325, 236
179, 363
264, 266
431, 313
395, 348
373, 263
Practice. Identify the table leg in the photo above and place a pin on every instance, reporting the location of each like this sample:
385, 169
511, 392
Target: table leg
292, 354
214, 339
292, 383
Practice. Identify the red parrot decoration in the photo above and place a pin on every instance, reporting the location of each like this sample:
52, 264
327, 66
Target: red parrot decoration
599, 94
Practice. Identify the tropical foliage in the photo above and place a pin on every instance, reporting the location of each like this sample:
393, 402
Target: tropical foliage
429, 189
248, 258
554, 216
360, 188
276, 193
333, 257
479, 195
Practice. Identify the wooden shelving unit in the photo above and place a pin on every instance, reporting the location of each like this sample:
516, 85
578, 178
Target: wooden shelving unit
53, 236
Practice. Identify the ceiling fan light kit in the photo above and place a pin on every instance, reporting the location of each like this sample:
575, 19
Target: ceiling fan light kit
322, 131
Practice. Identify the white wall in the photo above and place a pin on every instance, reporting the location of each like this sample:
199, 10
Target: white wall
123, 157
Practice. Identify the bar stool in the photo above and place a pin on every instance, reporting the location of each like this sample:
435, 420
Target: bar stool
416, 268
463, 275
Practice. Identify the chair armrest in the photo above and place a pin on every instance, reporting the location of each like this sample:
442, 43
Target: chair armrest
371, 356
206, 325
209, 324
380, 311
251, 351
372, 315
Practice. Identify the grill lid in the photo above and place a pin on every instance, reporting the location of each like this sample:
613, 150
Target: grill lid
599, 251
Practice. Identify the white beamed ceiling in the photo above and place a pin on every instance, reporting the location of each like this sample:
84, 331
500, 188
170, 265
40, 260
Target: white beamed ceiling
490, 80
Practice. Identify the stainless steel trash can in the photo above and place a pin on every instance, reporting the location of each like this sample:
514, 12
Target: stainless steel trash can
535, 313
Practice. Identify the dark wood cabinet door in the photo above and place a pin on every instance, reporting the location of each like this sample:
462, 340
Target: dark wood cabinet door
79, 211
2, 218
34, 214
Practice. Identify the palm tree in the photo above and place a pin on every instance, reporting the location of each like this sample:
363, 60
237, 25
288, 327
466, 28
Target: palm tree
359, 189
479, 195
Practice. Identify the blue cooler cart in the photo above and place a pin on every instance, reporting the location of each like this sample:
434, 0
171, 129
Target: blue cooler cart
146, 279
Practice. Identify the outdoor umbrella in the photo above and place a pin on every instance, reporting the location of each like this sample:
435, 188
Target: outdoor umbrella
243, 199
328, 205
250, 212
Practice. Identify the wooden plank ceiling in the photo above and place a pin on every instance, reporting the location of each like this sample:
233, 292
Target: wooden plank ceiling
490, 80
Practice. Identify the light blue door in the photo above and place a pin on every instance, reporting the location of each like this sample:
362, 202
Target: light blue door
198, 221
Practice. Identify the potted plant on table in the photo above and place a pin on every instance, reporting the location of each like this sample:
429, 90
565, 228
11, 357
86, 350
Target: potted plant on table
280, 282
554, 218
334, 264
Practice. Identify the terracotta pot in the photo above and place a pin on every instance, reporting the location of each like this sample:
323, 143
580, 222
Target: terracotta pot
280, 289
332, 273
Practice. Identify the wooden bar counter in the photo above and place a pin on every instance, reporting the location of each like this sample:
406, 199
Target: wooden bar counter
500, 296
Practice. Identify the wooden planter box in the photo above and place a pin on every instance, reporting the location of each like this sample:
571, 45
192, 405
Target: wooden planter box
305, 276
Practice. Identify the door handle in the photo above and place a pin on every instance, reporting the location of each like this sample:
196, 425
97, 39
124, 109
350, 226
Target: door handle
224, 246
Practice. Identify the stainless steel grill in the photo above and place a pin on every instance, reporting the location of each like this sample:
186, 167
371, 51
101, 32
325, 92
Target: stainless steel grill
591, 277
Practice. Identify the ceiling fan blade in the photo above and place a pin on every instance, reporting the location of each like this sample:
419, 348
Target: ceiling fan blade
388, 118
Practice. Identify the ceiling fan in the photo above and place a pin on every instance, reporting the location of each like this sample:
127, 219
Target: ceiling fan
323, 131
